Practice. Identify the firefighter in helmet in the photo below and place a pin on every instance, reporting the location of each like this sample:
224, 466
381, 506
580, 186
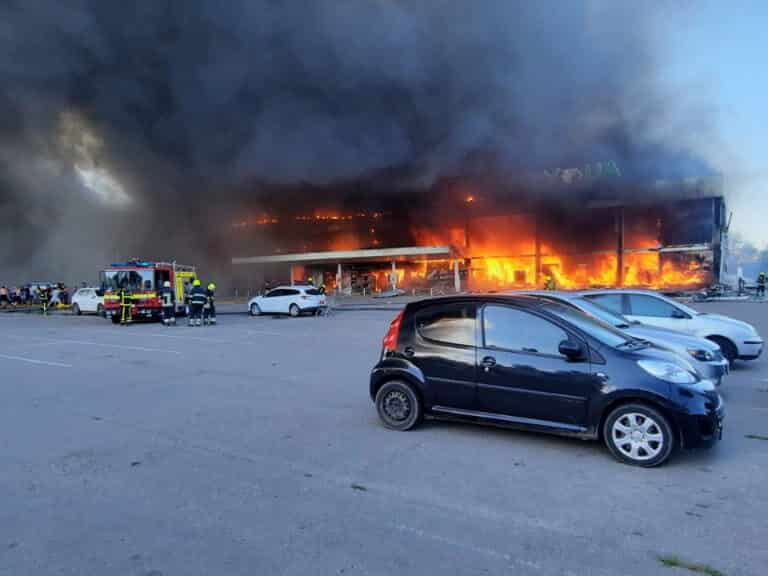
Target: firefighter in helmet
761, 280
125, 306
197, 300
209, 310
168, 301
45, 298
549, 283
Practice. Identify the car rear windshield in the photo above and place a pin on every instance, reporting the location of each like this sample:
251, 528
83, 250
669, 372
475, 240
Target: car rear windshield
598, 329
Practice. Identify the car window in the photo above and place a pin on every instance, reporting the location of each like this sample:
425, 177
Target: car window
312, 292
642, 305
290, 292
512, 329
275, 293
449, 324
612, 302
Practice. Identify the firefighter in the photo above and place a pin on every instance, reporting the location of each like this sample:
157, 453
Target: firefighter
126, 316
45, 297
549, 283
168, 301
197, 300
761, 279
209, 310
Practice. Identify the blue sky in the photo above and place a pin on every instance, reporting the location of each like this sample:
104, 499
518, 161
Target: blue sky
719, 57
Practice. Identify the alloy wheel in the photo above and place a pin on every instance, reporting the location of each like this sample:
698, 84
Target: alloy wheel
637, 436
396, 405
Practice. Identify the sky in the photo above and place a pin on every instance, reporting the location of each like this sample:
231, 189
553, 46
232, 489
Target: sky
720, 56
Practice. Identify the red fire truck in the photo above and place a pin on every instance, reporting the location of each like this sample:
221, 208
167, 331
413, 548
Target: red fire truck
143, 281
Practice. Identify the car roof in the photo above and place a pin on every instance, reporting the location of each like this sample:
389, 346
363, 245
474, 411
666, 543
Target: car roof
520, 300
619, 291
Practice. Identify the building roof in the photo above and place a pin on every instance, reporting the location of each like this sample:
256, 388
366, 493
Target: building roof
340, 256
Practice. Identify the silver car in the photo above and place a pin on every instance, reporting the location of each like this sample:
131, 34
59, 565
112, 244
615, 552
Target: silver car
704, 355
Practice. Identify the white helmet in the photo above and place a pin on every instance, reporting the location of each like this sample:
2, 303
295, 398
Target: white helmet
167, 284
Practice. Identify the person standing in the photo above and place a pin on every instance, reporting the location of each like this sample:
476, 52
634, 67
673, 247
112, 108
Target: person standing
126, 316
45, 298
209, 312
761, 280
168, 303
197, 300
4, 300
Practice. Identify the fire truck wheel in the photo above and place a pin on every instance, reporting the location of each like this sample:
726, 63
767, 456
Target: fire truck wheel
255, 310
115, 319
76, 310
294, 310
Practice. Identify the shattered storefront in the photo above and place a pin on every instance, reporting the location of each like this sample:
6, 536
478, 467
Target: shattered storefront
667, 237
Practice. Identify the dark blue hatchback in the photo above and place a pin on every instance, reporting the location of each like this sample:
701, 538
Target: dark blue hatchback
530, 363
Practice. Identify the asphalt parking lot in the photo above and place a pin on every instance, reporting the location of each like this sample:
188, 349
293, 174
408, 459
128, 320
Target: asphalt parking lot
252, 447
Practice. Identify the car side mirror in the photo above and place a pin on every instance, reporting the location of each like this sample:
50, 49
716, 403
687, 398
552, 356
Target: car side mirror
571, 349
679, 314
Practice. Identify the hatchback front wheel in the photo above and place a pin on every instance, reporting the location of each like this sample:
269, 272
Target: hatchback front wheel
639, 435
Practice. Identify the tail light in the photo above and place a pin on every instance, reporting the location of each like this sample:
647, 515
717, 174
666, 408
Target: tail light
390, 340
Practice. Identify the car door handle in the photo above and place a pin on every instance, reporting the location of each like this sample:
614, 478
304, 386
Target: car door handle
488, 363
409, 351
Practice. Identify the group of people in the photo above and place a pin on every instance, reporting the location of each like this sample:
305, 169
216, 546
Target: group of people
46, 295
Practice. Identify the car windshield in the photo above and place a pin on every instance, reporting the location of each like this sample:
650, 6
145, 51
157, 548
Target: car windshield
128, 279
594, 309
598, 329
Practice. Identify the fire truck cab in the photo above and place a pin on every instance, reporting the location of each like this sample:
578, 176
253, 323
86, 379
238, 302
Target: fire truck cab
143, 280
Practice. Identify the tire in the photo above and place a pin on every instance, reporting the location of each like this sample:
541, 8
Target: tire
76, 310
294, 310
728, 348
115, 319
399, 407
255, 310
639, 435
100, 310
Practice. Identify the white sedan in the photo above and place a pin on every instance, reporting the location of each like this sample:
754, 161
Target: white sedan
87, 300
737, 339
292, 300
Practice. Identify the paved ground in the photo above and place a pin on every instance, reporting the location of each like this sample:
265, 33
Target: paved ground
253, 448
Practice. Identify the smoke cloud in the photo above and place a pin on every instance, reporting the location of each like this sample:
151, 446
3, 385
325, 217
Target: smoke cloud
137, 128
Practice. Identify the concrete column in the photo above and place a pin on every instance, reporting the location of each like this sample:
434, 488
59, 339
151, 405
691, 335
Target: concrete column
620, 247
456, 277
394, 275
292, 279
339, 278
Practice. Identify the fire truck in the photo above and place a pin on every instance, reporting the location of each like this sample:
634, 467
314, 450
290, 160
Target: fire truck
143, 281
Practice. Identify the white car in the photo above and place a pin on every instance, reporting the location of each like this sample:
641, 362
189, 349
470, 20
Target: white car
292, 300
737, 339
88, 300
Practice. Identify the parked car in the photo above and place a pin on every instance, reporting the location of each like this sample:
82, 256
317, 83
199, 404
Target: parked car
90, 300
293, 300
704, 355
737, 339
529, 363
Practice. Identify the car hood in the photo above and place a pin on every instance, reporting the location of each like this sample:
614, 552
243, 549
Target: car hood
719, 320
670, 337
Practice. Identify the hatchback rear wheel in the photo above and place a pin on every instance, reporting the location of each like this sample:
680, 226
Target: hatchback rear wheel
294, 310
639, 435
76, 310
398, 405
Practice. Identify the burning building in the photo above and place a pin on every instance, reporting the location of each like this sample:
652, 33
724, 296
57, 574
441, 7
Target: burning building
468, 234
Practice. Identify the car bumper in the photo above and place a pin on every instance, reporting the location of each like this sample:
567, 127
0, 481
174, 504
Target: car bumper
701, 426
750, 349
714, 371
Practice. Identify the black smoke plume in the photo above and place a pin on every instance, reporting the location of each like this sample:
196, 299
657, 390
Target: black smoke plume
140, 127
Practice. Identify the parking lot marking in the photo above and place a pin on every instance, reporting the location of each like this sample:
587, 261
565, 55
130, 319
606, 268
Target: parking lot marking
102, 344
197, 338
34, 361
